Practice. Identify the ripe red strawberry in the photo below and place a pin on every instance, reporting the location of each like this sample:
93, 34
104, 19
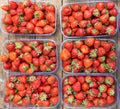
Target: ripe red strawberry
111, 91
102, 68
102, 59
96, 43
104, 95
93, 53
94, 92
87, 103
88, 79
100, 79
110, 99
74, 53
70, 99
85, 86
89, 41
71, 80
76, 87
19, 86
109, 80
78, 44
88, 62
67, 68
101, 51
112, 55
67, 89
81, 79
52, 53
102, 102
96, 101
102, 88
68, 45
93, 84
106, 45
80, 96
27, 57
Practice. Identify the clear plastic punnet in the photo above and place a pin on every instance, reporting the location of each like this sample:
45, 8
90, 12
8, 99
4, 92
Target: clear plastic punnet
2, 12
103, 39
11, 106
98, 107
90, 3
4, 51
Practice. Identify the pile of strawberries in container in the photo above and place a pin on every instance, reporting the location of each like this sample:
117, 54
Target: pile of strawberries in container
89, 63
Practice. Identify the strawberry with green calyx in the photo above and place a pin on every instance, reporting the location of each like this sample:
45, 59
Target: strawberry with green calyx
109, 80
111, 91
93, 84
80, 95
102, 102
102, 58
102, 88
94, 92
70, 99
66, 81
93, 53
43, 96
46, 49
96, 13
87, 103
31, 78
68, 89
88, 79
109, 68
88, 70
19, 44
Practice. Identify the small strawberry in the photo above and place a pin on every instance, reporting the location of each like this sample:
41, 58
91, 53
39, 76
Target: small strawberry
93, 84
93, 53
87, 103
43, 96
102, 102
67, 89
80, 96
109, 80
70, 99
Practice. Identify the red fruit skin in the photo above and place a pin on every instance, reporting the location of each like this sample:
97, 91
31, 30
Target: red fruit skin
76, 87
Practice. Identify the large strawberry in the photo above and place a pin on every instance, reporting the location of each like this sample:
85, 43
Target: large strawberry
76, 87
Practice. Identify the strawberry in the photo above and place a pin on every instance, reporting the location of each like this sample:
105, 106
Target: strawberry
88, 79
27, 57
93, 84
96, 43
76, 87
109, 80
101, 51
110, 99
102, 102
111, 91
93, 53
78, 44
43, 96
85, 86
94, 92
102, 88
102, 68
68, 45
87, 103
84, 49
80, 96
74, 53
81, 79
89, 41
67, 89
70, 99
71, 80
19, 86
67, 68
102, 59
104, 95
16, 98
100, 79
112, 55
87, 62
52, 53
96, 101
